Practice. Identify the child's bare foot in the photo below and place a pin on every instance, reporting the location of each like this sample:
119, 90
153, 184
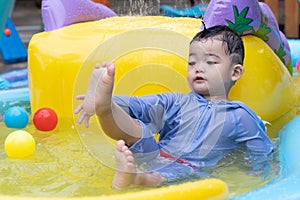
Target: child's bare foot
100, 88
125, 171
99, 92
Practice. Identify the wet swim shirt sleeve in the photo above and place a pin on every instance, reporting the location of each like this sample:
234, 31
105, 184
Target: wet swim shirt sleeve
251, 134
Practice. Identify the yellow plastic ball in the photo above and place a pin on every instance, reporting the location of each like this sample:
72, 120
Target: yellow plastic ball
19, 144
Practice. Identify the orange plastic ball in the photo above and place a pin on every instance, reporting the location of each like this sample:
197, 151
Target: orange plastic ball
104, 2
7, 32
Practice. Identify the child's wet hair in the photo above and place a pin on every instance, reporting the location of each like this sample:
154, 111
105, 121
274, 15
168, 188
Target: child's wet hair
232, 42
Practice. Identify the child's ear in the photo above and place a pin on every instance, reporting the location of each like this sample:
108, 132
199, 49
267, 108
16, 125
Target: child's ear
237, 72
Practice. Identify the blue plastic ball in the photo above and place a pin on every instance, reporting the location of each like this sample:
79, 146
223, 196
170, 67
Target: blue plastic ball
16, 117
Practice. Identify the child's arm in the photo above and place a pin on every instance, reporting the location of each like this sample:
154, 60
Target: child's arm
259, 147
98, 100
260, 153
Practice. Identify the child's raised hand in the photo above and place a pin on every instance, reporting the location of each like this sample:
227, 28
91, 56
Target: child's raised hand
99, 93
84, 116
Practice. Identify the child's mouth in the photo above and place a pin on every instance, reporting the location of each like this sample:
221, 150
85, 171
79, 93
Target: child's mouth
199, 79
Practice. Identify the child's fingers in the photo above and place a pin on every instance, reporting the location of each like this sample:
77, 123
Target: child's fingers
80, 97
86, 121
84, 117
81, 118
78, 109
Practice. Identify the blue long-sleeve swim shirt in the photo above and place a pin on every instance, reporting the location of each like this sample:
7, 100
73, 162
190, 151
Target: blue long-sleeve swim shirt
195, 130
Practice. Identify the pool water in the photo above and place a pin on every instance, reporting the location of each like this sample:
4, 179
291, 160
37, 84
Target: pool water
60, 167
63, 167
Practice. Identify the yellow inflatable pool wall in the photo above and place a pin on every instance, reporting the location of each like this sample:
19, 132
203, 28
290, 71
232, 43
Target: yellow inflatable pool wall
210, 189
150, 54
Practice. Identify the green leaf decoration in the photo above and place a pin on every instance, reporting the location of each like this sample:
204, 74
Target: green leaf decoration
290, 67
280, 53
263, 29
241, 22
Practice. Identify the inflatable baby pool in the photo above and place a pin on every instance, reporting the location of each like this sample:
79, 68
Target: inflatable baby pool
150, 54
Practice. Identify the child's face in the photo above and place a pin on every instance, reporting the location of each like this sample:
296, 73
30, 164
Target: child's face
210, 71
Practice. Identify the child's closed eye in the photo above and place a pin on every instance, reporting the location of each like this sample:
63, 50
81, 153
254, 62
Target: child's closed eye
211, 62
192, 63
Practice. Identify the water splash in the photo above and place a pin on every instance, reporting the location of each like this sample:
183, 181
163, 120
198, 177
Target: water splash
145, 7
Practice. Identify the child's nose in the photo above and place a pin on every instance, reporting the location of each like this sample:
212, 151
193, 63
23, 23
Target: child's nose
199, 68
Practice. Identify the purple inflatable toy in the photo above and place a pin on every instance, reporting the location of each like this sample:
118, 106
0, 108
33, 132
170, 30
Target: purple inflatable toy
250, 17
60, 13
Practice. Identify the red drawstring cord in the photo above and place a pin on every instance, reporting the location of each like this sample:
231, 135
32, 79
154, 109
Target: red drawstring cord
166, 155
